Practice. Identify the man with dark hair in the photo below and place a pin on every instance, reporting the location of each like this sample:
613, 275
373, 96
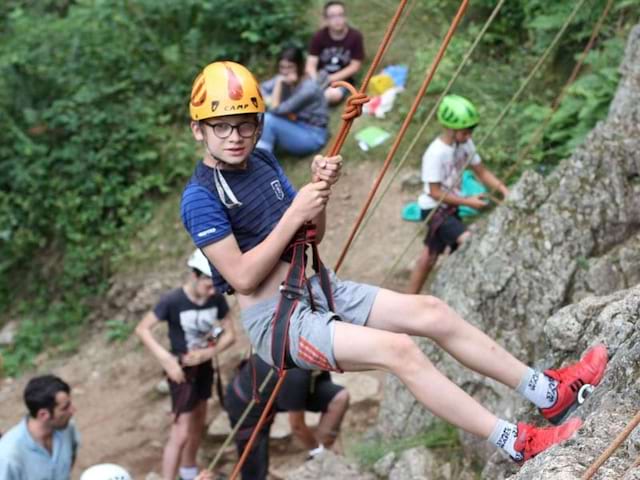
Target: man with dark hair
337, 49
43, 445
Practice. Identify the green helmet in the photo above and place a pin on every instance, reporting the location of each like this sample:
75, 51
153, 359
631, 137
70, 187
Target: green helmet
457, 112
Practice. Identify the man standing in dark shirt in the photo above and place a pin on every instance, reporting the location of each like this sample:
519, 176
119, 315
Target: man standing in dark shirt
303, 390
199, 328
337, 49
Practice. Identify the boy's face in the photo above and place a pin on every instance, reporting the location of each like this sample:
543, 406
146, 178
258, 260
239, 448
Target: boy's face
335, 18
229, 138
203, 286
461, 136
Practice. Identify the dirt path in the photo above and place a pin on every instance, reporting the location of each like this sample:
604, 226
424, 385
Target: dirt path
122, 419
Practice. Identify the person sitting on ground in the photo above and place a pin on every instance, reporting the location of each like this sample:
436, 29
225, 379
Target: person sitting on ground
442, 166
240, 208
200, 327
337, 49
45, 443
301, 391
298, 116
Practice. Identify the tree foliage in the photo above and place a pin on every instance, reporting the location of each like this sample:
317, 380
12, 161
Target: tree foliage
93, 98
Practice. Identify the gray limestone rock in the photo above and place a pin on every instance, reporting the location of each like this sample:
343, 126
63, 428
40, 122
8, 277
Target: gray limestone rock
558, 239
414, 464
328, 465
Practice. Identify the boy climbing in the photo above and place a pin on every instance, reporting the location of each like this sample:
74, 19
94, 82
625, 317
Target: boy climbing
199, 329
442, 165
242, 211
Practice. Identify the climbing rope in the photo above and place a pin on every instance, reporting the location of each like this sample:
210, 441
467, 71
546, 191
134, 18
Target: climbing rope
400, 135
265, 413
539, 132
352, 110
422, 128
501, 116
622, 436
239, 423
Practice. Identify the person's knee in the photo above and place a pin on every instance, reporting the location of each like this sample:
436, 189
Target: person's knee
463, 238
427, 258
402, 352
179, 434
340, 401
441, 320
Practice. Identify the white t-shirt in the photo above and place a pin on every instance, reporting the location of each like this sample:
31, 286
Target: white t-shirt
443, 164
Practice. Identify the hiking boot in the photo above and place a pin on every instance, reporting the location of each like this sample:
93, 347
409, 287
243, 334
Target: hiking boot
533, 440
575, 382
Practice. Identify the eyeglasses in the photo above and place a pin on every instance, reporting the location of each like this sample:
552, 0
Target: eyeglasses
224, 130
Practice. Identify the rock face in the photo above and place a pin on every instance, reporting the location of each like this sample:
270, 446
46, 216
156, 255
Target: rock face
557, 240
328, 465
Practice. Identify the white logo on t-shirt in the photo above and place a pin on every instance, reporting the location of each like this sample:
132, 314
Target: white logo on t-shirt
277, 188
206, 232
197, 326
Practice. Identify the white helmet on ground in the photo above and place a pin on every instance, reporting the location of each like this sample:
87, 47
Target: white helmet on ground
198, 261
105, 471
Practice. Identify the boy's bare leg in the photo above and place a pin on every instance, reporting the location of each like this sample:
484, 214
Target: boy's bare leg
361, 348
196, 430
330, 420
427, 316
421, 270
178, 437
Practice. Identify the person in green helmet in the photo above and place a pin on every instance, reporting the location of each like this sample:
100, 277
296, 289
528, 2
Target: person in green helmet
442, 165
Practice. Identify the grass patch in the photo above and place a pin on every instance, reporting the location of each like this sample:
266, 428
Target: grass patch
440, 436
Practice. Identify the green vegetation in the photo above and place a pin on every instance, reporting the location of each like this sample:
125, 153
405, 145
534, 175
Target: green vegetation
94, 148
440, 436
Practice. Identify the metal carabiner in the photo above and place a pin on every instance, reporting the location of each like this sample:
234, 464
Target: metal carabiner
584, 392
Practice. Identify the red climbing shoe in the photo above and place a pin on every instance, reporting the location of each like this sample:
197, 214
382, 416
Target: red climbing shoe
533, 440
575, 382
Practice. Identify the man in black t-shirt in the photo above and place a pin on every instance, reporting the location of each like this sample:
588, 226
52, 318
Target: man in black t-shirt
337, 49
303, 390
199, 328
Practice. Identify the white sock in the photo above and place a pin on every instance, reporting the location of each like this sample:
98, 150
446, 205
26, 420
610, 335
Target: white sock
538, 388
188, 473
504, 436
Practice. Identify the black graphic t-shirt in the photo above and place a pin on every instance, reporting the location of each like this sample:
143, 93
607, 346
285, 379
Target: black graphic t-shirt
334, 55
190, 325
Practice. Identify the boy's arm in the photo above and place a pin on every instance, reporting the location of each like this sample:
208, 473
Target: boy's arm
246, 271
489, 180
166, 360
311, 67
347, 72
474, 201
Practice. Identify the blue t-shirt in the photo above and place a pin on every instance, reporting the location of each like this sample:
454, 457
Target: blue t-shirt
22, 458
264, 191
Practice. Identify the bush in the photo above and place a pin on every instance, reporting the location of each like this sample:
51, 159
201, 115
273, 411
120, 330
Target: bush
93, 100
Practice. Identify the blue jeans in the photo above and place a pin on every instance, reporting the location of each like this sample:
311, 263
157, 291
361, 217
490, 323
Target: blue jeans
297, 138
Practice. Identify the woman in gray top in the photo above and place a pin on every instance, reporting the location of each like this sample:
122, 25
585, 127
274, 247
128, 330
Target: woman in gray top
297, 116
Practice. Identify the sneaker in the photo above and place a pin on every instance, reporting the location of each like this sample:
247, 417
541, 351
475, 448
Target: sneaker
533, 440
575, 382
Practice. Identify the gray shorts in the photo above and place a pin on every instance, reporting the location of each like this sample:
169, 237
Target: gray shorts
311, 332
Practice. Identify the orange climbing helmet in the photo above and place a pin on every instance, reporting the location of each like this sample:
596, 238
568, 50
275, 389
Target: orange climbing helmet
224, 88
